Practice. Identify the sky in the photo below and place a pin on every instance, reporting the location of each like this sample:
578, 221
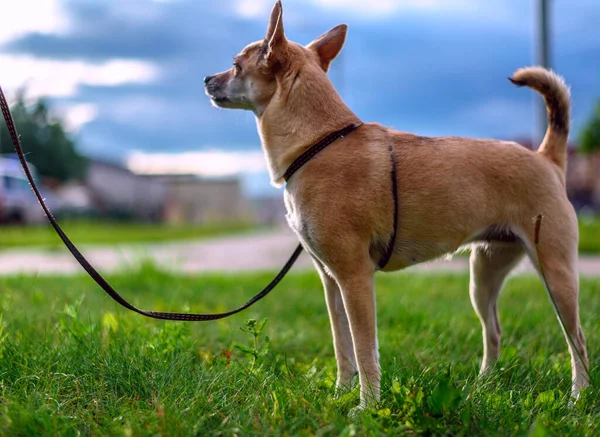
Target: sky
127, 75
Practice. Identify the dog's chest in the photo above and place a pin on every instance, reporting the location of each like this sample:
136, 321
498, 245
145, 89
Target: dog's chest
298, 219
293, 214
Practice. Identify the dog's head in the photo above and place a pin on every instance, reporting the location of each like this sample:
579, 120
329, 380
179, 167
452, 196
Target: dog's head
265, 68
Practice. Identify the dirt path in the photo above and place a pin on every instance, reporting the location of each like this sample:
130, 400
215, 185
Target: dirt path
265, 251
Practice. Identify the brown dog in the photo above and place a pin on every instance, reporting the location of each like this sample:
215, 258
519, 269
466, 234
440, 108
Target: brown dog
452, 192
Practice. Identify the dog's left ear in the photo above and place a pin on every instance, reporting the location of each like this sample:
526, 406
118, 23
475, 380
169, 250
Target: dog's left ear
329, 45
275, 42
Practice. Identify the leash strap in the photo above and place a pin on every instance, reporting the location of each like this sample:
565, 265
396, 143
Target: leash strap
97, 276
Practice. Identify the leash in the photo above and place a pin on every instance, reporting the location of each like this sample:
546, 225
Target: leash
97, 276
187, 317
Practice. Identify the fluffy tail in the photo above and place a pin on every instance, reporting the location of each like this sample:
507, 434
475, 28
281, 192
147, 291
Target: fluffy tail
558, 103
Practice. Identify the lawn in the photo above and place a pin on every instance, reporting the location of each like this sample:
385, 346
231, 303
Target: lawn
73, 363
98, 232
589, 235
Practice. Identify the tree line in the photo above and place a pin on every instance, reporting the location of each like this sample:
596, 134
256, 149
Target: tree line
45, 141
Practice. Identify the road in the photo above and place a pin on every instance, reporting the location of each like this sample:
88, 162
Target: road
260, 251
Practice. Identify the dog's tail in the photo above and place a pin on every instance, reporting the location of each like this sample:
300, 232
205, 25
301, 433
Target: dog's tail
558, 103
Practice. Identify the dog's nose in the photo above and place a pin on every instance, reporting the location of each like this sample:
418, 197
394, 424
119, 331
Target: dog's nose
207, 79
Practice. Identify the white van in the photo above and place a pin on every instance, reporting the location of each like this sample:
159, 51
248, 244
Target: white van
18, 204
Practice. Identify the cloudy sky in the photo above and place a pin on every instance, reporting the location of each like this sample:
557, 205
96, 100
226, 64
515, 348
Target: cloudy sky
127, 75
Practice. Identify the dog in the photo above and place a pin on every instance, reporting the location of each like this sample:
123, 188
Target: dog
452, 192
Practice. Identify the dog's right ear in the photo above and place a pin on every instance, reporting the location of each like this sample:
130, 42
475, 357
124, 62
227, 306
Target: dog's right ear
329, 45
275, 41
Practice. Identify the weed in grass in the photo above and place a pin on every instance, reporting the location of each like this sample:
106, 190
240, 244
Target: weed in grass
258, 347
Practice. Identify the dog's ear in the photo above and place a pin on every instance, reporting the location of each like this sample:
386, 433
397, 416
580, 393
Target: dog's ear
275, 41
329, 45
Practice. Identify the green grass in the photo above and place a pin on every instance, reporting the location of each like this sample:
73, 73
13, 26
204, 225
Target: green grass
73, 363
98, 232
589, 235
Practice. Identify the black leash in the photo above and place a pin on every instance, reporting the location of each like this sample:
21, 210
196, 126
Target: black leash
97, 276
100, 279
299, 162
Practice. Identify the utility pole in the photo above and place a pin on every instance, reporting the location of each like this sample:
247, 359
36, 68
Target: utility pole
543, 56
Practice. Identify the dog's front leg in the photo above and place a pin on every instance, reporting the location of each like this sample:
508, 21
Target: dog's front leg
357, 288
340, 330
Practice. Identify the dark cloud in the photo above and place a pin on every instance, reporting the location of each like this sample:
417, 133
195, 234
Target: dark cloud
122, 43
435, 74
143, 30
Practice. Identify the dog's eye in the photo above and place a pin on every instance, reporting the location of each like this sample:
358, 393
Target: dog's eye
237, 68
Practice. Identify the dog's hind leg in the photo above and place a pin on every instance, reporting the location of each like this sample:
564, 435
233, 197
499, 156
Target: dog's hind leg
558, 258
489, 265
340, 330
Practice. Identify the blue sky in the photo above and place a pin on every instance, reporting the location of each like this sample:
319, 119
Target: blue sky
127, 75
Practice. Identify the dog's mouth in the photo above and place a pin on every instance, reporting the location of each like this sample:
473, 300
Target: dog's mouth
220, 100
215, 98
228, 103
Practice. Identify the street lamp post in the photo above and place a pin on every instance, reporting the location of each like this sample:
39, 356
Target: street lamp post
543, 55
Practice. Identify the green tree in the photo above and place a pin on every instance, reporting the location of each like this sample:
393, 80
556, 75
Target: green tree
589, 140
46, 143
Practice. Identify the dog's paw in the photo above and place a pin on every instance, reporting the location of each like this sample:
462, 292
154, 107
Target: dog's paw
344, 387
578, 392
487, 367
575, 397
484, 377
356, 412
368, 404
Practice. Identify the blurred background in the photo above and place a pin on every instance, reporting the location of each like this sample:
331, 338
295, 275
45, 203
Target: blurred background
108, 98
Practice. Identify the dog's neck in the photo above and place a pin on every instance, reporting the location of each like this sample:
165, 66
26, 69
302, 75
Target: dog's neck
298, 117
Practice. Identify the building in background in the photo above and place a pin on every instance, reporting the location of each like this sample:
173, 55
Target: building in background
191, 199
583, 180
119, 192
270, 210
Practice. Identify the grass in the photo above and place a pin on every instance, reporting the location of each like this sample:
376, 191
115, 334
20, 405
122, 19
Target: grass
73, 363
589, 235
98, 232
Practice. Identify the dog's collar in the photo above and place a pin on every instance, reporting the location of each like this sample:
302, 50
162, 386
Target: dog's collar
316, 148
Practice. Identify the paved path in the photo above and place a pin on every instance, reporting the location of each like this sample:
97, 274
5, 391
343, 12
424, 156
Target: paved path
264, 251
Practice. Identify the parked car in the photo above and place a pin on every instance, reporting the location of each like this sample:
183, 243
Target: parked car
18, 204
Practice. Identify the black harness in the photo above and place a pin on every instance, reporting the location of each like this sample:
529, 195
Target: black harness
329, 139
